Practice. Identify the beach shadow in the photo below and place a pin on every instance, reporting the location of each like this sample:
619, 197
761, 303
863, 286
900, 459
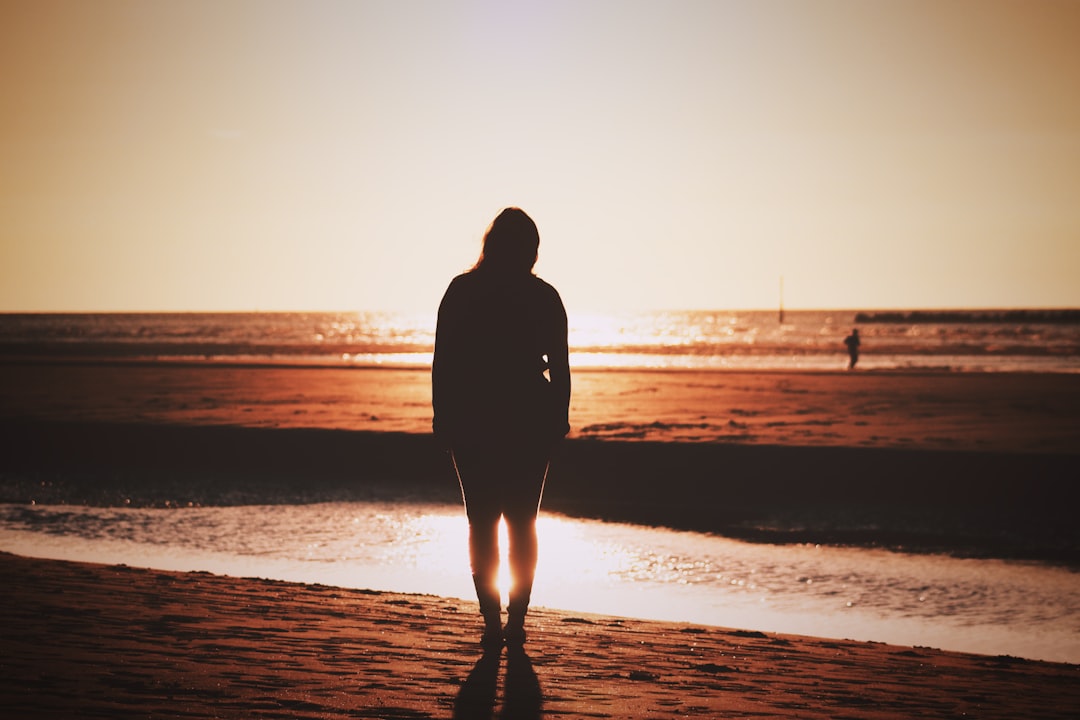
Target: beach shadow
476, 699
522, 697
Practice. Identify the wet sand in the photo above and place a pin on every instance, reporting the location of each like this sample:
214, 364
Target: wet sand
1003, 412
83, 640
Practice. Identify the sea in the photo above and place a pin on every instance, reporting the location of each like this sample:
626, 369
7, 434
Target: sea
961, 341
1026, 609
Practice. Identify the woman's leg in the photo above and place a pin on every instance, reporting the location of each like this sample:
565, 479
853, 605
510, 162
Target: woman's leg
520, 509
484, 561
523, 556
479, 491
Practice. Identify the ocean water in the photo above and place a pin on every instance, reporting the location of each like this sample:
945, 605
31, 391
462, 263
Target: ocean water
813, 340
991, 607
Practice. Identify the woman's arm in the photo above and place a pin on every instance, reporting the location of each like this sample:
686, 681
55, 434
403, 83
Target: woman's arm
442, 380
559, 370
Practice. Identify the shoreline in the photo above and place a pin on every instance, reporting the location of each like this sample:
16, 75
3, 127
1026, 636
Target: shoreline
245, 362
93, 640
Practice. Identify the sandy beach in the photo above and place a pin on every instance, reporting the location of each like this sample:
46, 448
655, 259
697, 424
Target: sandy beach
1004, 412
981, 464
84, 640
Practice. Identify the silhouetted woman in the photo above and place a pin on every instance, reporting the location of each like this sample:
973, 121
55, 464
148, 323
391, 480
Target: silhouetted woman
500, 394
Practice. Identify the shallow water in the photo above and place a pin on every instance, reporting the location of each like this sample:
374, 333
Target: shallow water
984, 606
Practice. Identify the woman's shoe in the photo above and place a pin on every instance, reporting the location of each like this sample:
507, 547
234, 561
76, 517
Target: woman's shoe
492, 639
514, 633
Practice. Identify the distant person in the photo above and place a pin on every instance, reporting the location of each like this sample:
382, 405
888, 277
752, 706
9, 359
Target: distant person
852, 342
500, 384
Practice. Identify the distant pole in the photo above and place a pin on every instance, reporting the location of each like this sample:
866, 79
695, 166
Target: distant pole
781, 299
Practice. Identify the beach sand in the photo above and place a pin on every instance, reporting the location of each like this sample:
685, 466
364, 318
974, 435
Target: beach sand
83, 640
1004, 412
984, 464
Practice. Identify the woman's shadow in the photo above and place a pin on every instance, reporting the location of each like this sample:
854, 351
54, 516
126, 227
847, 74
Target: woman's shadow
522, 697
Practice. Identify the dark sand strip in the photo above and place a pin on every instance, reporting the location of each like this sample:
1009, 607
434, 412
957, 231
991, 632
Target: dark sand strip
1010, 505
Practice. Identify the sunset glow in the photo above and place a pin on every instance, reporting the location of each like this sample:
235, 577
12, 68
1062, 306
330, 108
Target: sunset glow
264, 155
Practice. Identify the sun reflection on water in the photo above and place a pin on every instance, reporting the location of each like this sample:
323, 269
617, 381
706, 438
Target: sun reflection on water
589, 566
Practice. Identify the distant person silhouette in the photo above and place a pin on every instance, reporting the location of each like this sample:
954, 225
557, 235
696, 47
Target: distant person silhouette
501, 394
852, 342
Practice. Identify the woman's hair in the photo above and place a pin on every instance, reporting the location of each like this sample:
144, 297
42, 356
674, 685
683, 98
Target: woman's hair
511, 243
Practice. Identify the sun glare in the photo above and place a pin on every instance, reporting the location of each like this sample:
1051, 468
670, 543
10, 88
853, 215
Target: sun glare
504, 562
563, 552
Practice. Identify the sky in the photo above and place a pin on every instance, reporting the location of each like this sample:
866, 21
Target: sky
192, 155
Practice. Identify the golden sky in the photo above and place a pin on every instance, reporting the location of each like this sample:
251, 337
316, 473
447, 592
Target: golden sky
243, 155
